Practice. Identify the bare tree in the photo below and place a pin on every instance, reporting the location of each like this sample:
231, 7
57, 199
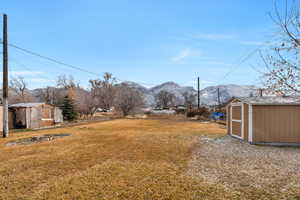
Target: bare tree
19, 86
48, 95
104, 90
165, 99
282, 61
66, 86
64, 82
127, 100
189, 99
85, 103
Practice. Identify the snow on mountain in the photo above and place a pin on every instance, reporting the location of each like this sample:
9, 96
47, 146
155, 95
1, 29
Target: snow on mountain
136, 86
173, 88
208, 96
148, 96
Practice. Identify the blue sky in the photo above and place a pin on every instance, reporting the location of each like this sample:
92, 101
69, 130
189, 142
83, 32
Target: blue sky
149, 42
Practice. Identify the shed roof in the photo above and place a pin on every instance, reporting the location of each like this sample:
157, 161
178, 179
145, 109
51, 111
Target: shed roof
271, 100
26, 105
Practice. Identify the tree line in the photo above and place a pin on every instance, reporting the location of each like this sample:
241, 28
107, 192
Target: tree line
104, 93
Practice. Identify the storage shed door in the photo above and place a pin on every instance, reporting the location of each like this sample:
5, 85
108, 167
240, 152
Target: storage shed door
236, 120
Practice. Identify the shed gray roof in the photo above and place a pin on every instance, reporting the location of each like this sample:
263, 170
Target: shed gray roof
271, 100
26, 105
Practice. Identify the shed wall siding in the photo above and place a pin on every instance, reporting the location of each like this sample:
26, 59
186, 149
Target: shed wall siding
1, 118
246, 121
11, 119
58, 116
45, 123
35, 117
28, 118
276, 124
228, 115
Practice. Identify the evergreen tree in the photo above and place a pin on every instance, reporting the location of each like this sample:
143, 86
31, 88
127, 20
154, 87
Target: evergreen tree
69, 109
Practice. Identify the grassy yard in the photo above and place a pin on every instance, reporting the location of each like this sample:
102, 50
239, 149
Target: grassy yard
120, 159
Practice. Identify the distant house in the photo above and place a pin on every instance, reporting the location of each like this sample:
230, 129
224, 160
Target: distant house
260, 120
33, 115
179, 108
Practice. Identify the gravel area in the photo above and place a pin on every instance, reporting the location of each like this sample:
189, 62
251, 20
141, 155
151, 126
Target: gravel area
251, 171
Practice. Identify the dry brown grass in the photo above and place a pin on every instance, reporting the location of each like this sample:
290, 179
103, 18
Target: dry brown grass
120, 159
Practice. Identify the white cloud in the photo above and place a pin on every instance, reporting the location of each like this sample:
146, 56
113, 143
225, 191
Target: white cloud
184, 55
261, 44
39, 80
24, 73
202, 82
220, 64
188, 55
205, 82
253, 43
213, 36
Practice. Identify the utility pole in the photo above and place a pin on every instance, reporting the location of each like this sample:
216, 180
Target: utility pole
198, 92
218, 98
5, 78
261, 92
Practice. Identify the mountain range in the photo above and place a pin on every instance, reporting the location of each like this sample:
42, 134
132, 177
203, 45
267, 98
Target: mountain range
208, 95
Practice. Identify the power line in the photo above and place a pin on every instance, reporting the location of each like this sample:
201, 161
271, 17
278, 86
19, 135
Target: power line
238, 65
27, 68
95, 73
244, 59
52, 59
63, 63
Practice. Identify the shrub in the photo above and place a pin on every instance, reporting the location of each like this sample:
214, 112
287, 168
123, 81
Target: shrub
128, 100
68, 109
202, 111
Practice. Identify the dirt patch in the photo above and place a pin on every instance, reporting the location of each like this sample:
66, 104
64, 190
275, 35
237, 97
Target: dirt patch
37, 139
253, 172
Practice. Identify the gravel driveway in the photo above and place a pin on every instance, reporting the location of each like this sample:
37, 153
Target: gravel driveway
250, 171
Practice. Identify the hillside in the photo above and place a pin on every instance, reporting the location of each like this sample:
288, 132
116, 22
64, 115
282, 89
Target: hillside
208, 95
